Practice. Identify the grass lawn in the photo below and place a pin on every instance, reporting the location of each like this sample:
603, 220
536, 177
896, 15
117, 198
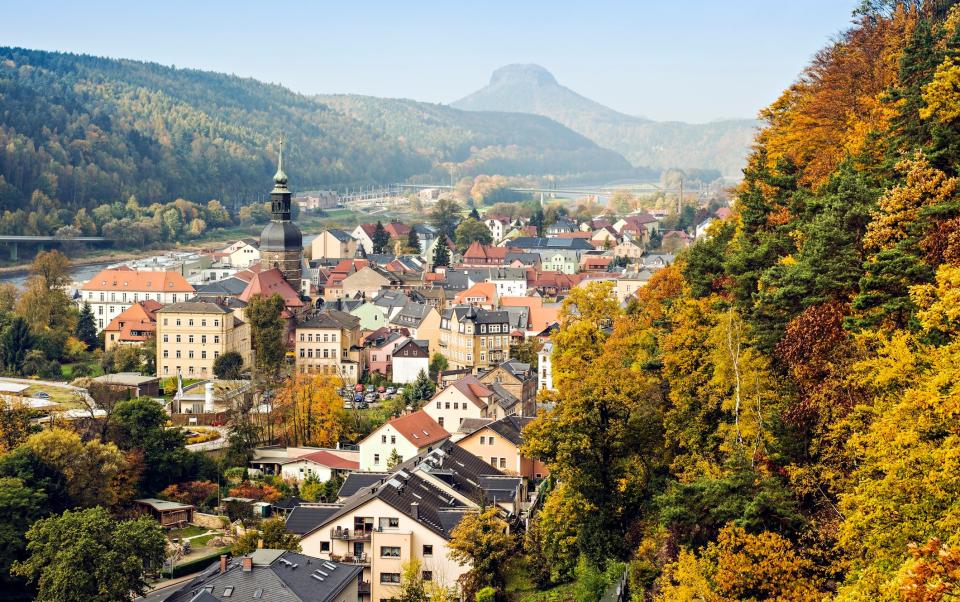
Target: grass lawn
202, 541
188, 531
67, 398
94, 367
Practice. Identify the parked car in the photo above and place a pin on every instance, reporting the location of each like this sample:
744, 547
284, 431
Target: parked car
370, 397
370, 389
358, 397
42, 395
391, 391
381, 389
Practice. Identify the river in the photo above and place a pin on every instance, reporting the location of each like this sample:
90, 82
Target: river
82, 273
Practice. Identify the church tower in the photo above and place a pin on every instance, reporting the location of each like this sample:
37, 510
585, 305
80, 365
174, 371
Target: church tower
281, 243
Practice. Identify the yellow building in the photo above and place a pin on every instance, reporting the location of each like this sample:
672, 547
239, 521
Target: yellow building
191, 335
328, 342
474, 338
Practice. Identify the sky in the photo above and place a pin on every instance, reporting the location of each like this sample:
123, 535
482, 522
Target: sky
687, 60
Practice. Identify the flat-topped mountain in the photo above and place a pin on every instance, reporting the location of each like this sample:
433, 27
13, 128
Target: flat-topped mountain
719, 145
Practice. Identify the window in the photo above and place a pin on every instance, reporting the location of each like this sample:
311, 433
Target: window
503, 462
166, 338
490, 440
482, 439
376, 459
190, 322
203, 322
390, 522
203, 355
448, 405
427, 550
203, 339
228, 591
190, 354
493, 462
383, 438
166, 353
178, 338
178, 354
389, 551
190, 339
178, 321
324, 546
440, 421
439, 405
216, 339
390, 578
393, 439
216, 322
428, 575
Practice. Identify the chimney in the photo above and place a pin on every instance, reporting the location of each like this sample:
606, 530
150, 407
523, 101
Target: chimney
247, 563
223, 563
415, 510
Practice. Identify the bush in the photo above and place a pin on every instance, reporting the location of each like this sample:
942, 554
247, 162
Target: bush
194, 565
486, 594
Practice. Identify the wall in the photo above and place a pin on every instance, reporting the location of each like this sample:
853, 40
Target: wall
406, 369
373, 445
209, 521
450, 418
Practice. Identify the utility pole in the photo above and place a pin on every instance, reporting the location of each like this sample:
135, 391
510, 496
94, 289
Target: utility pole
680, 199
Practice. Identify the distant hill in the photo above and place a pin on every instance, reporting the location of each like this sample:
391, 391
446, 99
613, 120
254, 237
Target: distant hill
721, 145
85, 131
481, 141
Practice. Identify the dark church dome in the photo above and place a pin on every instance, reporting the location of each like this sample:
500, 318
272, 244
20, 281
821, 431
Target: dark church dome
281, 236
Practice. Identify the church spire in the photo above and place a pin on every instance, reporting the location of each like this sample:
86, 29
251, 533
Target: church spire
280, 178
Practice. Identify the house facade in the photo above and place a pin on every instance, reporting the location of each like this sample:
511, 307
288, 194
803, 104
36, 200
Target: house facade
113, 290
499, 443
409, 359
474, 338
333, 244
328, 342
191, 335
408, 435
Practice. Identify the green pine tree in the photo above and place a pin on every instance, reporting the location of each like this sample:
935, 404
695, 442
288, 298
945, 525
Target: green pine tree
86, 330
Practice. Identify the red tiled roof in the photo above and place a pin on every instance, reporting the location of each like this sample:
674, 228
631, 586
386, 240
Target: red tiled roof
325, 458
125, 279
368, 229
471, 388
140, 316
487, 290
419, 428
397, 229
478, 251
271, 282
577, 234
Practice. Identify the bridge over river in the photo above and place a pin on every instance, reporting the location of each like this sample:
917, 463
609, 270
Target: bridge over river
42, 242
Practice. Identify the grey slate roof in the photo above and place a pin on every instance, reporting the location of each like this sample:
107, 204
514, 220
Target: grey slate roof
194, 307
568, 244
340, 235
330, 318
412, 315
356, 481
306, 518
227, 287
273, 578
511, 428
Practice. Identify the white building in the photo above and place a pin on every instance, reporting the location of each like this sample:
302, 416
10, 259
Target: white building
409, 359
545, 373
301, 463
243, 253
409, 435
113, 290
497, 226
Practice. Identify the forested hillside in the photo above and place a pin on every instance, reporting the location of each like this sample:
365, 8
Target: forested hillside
82, 132
481, 142
721, 145
775, 416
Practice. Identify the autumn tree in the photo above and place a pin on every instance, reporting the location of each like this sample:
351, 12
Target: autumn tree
470, 231
311, 410
445, 217
481, 540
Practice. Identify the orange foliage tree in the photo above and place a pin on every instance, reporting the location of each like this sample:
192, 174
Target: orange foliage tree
310, 411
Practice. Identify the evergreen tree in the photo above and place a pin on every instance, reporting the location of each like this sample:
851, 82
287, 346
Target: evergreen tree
441, 254
380, 239
413, 241
15, 342
474, 214
420, 390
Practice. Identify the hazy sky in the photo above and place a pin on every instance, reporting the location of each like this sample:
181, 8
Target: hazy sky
681, 59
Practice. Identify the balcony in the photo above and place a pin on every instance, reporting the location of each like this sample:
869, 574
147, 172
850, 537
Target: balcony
363, 588
361, 560
349, 534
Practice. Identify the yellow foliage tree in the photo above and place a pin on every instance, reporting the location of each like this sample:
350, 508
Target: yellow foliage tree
311, 411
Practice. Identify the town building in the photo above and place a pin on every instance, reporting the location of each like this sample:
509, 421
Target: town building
333, 244
133, 326
267, 574
474, 338
499, 442
328, 342
545, 369
191, 335
243, 253
363, 234
113, 290
301, 463
409, 359
512, 379
408, 435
